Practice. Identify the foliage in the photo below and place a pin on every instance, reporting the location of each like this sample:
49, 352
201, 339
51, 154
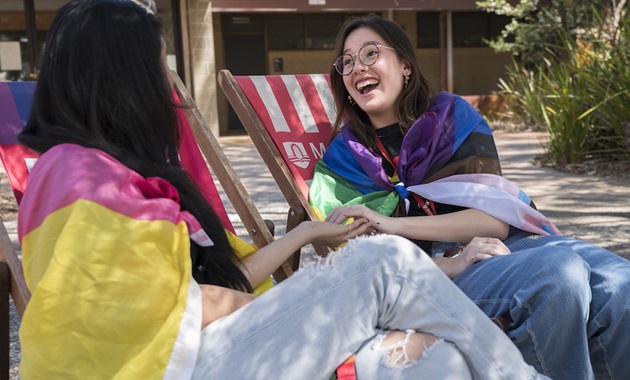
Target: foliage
579, 88
532, 30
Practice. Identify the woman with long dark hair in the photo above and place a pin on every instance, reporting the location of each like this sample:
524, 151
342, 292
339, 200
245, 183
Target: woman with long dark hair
132, 275
423, 165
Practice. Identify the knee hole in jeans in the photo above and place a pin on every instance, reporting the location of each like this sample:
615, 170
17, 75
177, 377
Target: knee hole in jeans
402, 348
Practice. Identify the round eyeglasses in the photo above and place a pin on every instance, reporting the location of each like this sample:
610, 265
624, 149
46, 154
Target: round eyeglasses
368, 55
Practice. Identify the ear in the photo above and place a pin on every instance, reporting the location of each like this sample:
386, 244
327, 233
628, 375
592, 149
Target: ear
406, 69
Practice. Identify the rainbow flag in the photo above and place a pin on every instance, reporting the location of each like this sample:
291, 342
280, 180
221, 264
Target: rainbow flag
448, 156
450, 138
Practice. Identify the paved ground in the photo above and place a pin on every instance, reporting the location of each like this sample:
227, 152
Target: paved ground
591, 208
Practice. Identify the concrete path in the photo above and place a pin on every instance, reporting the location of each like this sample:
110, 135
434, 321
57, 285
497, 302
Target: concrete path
590, 208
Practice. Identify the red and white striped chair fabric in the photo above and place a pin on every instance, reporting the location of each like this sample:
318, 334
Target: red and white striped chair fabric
297, 111
289, 118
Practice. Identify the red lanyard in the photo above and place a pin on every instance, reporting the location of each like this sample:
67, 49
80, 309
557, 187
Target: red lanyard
426, 205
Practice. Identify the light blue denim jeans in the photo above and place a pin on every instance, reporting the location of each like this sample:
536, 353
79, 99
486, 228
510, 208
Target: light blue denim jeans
309, 324
568, 300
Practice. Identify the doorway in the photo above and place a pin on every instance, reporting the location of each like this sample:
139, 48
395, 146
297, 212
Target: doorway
244, 55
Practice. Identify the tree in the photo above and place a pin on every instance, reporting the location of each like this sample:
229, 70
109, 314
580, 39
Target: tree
533, 30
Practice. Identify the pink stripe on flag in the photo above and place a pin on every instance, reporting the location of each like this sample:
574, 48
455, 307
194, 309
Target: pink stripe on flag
93, 175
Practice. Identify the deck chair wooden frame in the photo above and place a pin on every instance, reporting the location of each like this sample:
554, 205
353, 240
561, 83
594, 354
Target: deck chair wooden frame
11, 279
260, 231
295, 191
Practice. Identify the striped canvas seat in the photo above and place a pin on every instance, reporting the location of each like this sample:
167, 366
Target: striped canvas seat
289, 118
297, 112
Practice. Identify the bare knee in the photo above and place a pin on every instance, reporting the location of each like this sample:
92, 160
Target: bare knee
401, 348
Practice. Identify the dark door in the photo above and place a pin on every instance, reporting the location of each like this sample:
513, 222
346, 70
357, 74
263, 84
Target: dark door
244, 55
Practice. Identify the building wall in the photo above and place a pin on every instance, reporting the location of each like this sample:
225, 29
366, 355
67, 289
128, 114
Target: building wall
203, 64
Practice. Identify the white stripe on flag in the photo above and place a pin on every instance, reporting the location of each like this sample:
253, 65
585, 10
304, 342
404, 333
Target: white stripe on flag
271, 104
300, 103
325, 94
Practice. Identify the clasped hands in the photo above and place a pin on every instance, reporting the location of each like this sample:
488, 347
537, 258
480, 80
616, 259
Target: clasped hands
370, 222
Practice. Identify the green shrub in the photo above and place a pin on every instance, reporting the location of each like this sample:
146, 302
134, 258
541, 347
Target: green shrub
580, 91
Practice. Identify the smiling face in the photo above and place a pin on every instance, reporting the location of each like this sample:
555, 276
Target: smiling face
375, 88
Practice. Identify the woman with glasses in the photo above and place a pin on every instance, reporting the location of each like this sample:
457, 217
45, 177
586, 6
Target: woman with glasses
423, 165
109, 222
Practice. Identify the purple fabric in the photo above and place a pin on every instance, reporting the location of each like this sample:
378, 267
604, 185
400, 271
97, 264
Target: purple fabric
9, 116
430, 140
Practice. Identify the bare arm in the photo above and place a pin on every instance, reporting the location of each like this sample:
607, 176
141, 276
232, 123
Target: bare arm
260, 265
460, 226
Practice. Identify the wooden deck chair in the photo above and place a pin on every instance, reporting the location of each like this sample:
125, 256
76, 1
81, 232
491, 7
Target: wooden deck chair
289, 119
261, 231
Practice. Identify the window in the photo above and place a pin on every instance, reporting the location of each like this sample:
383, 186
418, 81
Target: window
285, 32
321, 31
472, 29
428, 29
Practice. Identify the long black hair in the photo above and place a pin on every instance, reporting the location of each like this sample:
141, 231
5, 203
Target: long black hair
103, 85
413, 100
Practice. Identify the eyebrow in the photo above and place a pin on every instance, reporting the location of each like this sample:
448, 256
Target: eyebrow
364, 44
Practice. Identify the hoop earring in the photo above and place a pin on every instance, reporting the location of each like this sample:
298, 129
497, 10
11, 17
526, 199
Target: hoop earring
351, 101
406, 80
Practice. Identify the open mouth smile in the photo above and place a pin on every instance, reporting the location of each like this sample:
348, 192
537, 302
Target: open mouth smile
367, 85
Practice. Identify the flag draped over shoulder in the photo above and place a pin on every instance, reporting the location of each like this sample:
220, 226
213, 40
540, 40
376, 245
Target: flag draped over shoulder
106, 255
451, 138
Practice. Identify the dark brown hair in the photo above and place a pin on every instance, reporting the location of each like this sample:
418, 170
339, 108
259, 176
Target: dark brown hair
412, 101
103, 85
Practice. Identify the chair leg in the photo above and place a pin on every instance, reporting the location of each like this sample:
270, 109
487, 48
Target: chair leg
5, 284
270, 226
295, 217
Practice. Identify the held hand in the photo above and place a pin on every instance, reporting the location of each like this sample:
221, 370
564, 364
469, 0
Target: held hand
333, 235
479, 249
382, 223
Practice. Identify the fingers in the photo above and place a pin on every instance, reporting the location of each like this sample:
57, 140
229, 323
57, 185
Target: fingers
339, 214
359, 227
482, 248
336, 216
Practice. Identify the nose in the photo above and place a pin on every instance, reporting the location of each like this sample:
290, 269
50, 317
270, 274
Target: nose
359, 66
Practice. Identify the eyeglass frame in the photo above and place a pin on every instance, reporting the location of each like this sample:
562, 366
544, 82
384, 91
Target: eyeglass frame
357, 54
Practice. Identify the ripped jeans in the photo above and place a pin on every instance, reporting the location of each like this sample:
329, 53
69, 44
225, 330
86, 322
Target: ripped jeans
308, 325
